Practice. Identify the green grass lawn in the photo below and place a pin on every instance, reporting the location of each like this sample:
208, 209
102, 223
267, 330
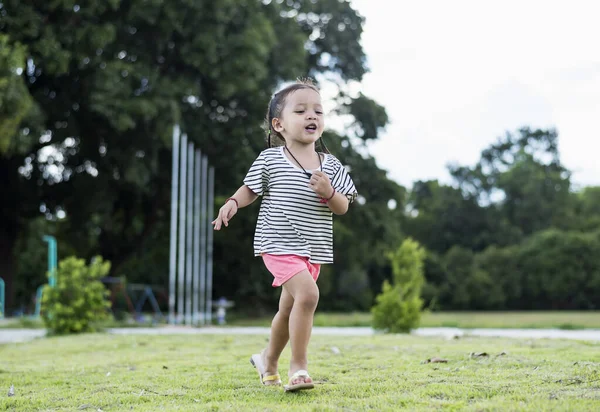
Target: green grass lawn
536, 320
519, 320
383, 372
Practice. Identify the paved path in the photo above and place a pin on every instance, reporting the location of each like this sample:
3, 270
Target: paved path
24, 335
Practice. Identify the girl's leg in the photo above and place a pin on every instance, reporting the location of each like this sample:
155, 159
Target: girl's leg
279, 332
305, 294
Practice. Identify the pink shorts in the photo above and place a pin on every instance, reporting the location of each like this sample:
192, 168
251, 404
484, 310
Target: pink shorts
284, 267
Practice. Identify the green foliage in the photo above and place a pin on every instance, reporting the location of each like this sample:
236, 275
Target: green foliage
394, 312
353, 291
370, 116
523, 170
15, 100
104, 82
559, 270
585, 210
79, 298
458, 263
32, 257
398, 307
551, 269
110, 80
443, 217
505, 286
509, 234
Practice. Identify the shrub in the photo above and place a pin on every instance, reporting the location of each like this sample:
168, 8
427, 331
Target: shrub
79, 298
398, 307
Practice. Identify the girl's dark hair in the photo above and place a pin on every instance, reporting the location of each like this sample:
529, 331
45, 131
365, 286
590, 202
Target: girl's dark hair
276, 105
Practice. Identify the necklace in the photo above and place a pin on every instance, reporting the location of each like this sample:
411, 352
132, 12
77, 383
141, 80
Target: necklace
305, 172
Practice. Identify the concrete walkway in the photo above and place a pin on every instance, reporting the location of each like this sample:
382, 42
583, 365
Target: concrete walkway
24, 335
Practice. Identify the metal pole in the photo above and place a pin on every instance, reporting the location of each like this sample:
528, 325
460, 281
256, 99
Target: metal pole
209, 265
189, 251
52, 259
197, 194
182, 209
203, 240
54, 262
173, 236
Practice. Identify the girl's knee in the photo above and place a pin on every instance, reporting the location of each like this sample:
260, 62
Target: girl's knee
303, 291
308, 300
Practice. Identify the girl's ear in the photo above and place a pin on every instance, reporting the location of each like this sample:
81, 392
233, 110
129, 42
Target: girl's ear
276, 123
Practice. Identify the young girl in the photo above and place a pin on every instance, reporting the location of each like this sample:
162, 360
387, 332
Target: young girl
301, 190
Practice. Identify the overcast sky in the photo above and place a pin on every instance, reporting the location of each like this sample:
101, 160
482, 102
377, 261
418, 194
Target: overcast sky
456, 75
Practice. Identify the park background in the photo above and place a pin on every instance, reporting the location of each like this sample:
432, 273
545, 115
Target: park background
89, 97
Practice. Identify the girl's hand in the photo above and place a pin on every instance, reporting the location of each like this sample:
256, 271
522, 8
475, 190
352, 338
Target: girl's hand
227, 211
320, 183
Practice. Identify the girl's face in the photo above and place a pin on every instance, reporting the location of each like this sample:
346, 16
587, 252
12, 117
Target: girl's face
301, 119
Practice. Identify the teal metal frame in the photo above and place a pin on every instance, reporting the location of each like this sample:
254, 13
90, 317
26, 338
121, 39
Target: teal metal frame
52, 264
52, 259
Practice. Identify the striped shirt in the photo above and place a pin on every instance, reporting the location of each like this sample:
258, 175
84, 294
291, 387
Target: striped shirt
291, 219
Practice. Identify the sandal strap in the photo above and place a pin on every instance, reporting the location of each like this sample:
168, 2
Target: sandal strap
300, 373
269, 378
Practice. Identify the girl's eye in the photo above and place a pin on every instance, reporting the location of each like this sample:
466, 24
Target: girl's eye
299, 111
319, 112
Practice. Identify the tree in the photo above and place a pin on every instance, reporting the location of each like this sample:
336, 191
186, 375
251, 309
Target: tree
585, 213
110, 80
442, 217
79, 299
398, 307
551, 269
524, 176
560, 270
16, 106
15, 101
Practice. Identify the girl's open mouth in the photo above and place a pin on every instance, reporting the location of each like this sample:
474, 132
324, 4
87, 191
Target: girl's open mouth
311, 128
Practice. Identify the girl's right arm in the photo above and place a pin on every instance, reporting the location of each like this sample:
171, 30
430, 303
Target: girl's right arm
241, 198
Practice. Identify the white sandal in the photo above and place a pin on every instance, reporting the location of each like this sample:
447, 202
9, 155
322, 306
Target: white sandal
257, 361
299, 386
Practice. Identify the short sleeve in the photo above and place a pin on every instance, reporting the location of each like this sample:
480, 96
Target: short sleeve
342, 182
257, 178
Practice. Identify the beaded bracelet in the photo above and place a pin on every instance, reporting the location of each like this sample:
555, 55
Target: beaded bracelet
323, 200
236, 202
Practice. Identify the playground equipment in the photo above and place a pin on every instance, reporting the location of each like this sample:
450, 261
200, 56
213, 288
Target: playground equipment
191, 243
52, 264
116, 287
130, 294
52, 259
2, 308
147, 295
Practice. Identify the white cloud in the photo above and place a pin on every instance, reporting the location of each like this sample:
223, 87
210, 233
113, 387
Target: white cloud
454, 76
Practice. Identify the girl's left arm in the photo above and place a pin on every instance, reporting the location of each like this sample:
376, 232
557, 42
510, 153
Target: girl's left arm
338, 204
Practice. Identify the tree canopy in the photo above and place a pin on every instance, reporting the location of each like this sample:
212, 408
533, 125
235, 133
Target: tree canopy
89, 95
109, 80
